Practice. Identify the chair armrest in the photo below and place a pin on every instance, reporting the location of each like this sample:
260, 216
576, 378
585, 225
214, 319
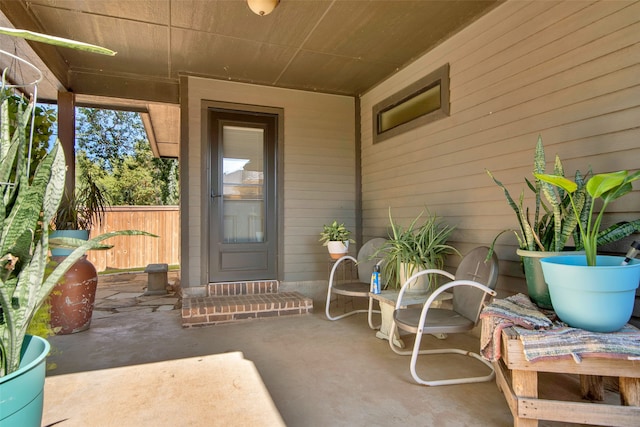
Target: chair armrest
445, 287
405, 285
335, 267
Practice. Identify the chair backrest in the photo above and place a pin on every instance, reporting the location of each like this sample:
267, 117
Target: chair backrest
365, 260
467, 300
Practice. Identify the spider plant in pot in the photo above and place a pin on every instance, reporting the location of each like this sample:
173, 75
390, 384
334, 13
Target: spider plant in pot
591, 291
420, 246
336, 238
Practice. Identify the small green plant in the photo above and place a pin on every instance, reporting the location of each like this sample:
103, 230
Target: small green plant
423, 245
335, 232
606, 186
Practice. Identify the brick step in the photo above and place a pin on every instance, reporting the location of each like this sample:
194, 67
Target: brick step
243, 288
213, 310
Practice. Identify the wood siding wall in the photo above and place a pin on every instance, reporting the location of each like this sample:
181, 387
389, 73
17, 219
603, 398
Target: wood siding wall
318, 167
139, 251
565, 70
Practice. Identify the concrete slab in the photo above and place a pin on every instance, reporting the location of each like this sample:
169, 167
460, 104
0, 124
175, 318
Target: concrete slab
125, 295
115, 303
167, 393
158, 301
318, 372
135, 308
105, 293
99, 314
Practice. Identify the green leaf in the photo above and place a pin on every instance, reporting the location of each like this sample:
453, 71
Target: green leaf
56, 41
601, 183
558, 181
618, 231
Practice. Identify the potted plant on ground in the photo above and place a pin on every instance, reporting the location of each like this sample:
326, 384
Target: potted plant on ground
27, 205
546, 230
72, 300
420, 246
78, 212
592, 291
335, 237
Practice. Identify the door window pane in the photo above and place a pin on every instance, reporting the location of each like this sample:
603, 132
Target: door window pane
243, 184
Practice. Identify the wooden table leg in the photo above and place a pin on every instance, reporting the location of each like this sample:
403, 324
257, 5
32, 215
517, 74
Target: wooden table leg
592, 387
525, 384
630, 391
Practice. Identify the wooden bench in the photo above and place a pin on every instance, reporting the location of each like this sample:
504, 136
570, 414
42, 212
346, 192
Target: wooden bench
517, 378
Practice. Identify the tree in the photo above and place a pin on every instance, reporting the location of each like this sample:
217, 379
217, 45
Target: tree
107, 136
112, 146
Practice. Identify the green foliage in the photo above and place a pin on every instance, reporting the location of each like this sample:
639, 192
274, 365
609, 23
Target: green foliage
56, 41
335, 232
83, 208
112, 146
42, 123
550, 225
107, 136
40, 325
423, 245
28, 203
606, 186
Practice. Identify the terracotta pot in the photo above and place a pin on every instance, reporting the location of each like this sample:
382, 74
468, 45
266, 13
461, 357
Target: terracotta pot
73, 297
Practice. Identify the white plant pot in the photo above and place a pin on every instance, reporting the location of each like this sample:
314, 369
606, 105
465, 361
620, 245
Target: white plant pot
338, 249
417, 286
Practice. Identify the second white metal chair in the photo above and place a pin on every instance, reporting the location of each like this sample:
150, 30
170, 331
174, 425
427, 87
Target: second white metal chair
475, 278
360, 287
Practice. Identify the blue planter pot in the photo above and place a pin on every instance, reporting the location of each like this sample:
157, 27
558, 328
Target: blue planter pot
598, 298
75, 234
22, 391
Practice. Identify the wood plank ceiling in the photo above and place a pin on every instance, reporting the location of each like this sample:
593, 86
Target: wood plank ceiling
332, 46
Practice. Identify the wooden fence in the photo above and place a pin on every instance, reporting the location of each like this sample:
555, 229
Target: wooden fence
139, 251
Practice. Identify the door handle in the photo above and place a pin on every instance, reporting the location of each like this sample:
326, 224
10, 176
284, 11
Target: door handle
214, 195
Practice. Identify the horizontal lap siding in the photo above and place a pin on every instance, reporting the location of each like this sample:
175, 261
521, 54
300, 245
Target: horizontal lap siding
319, 182
318, 169
567, 71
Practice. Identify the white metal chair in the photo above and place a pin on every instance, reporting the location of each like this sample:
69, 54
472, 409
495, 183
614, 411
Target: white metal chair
362, 286
475, 278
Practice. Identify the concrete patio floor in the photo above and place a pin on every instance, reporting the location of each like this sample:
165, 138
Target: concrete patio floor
318, 372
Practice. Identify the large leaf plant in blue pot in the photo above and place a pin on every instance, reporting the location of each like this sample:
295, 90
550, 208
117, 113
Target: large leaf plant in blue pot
591, 291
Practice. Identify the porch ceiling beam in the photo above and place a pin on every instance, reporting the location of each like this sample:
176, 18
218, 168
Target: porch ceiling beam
128, 87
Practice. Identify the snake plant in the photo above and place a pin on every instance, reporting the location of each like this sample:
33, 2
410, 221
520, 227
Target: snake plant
551, 224
27, 206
